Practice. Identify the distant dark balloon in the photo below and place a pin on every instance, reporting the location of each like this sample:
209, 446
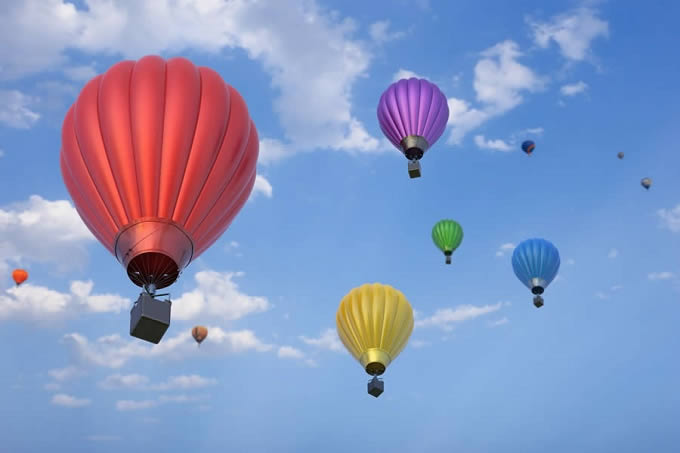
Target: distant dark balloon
620, 154
646, 183
528, 146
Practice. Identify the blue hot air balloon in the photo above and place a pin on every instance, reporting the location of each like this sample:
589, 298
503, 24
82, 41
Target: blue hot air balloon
536, 262
528, 146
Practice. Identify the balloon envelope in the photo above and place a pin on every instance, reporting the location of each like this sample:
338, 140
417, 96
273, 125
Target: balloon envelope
447, 235
536, 262
199, 333
528, 146
620, 155
374, 322
159, 157
19, 276
646, 183
413, 107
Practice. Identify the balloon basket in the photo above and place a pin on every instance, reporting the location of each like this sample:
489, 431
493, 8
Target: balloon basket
150, 318
375, 387
414, 169
538, 301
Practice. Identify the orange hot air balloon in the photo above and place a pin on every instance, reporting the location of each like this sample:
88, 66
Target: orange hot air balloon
19, 276
199, 333
159, 157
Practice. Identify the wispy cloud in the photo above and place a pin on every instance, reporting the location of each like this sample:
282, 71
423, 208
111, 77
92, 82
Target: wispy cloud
670, 218
444, 318
494, 145
613, 253
505, 248
574, 88
665, 275
327, 340
499, 322
62, 399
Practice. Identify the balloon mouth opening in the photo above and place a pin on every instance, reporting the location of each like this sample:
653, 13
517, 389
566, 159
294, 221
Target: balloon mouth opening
414, 153
537, 290
153, 268
375, 368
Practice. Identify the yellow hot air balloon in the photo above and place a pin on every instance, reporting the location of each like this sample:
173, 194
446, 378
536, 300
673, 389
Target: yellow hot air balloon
374, 322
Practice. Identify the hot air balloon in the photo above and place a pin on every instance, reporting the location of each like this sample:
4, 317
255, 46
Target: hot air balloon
646, 183
413, 114
199, 333
536, 262
528, 147
447, 236
159, 157
620, 155
374, 322
19, 276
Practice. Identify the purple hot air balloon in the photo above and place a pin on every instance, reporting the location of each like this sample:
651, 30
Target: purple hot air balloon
413, 114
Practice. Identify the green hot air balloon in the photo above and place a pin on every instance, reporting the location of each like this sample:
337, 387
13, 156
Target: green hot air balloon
447, 236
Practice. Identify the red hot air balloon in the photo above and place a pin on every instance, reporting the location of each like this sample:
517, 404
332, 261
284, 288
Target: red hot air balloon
19, 276
159, 157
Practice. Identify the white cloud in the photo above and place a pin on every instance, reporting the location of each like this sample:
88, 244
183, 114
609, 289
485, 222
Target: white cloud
573, 32
499, 83
217, 296
616, 288
61, 399
613, 253
405, 74
262, 186
670, 218
505, 248
44, 231
570, 261
443, 318
38, 33
113, 351
496, 145
666, 275
601, 295
534, 131
574, 88
192, 381
81, 73
289, 352
499, 322
328, 340
15, 109
120, 381
380, 32
38, 303
65, 374
130, 405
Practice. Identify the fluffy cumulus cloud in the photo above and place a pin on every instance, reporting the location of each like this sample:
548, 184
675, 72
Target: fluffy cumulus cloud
573, 32
113, 351
405, 74
262, 186
505, 248
492, 144
670, 218
41, 304
62, 399
572, 89
38, 33
44, 231
445, 318
217, 296
15, 109
327, 340
499, 82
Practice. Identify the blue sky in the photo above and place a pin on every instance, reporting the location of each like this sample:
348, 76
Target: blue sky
595, 369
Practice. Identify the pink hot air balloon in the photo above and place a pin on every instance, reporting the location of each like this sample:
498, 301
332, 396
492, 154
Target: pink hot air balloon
159, 157
413, 114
